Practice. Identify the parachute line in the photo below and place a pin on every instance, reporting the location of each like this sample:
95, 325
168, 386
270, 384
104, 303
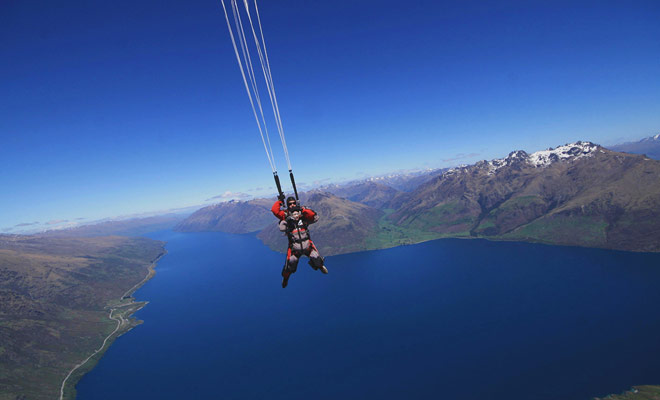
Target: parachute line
247, 68
265, 139
268, 76
248, 61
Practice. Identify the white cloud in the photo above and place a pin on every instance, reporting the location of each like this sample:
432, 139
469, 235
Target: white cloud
461, 156
26, 224
229, 195
57, 221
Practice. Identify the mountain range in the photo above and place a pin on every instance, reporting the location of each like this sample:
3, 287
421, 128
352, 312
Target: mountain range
56, 289
577, 194
649, 146
120, 227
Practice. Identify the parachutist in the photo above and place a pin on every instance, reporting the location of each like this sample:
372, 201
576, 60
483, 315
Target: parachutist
294, 222
296, 227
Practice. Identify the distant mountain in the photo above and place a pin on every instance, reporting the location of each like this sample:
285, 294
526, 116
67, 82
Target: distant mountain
401, 182
123, 227
232, 217
344, 225
649, 146
577, 194
407, 182
371, 193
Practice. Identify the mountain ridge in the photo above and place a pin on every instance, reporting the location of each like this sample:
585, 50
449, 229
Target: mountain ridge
576, 194
559, 187
650, 146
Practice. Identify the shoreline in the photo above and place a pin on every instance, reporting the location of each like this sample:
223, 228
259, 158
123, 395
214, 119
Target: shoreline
124, 320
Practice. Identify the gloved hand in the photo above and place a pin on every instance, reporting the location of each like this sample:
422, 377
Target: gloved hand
281, 197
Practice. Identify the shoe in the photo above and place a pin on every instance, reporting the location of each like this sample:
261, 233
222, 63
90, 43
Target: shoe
323, 269
285, 279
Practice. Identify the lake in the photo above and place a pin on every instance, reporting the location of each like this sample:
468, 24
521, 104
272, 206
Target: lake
451, 319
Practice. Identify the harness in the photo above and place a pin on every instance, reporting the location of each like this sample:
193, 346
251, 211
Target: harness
296, 227
294, 231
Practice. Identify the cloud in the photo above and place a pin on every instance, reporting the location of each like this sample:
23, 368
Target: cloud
461, 156
57, 221
321, 181
314, 184
228, 195
26, 224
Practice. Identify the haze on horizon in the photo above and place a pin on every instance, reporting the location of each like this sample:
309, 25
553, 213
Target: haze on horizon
121, 108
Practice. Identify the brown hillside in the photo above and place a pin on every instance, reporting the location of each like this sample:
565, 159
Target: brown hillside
587, 196
231, 217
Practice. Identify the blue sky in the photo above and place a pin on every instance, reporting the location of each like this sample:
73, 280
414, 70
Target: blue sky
113, 108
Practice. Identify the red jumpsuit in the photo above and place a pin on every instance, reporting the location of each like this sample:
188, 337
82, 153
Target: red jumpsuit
299, 241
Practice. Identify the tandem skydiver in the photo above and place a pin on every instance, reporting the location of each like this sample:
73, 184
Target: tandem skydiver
294, 221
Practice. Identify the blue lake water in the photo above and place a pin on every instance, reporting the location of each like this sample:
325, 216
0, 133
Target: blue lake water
452, 319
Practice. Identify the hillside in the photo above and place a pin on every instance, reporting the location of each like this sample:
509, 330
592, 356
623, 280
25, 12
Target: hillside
231, 217
54, 299
577, 194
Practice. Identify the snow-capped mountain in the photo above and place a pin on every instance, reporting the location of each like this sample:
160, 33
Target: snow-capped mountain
579, 193
649, 146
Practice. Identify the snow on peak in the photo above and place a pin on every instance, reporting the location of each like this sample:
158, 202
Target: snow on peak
513, 157
545, 157
538, 159
572, 150
460, 168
